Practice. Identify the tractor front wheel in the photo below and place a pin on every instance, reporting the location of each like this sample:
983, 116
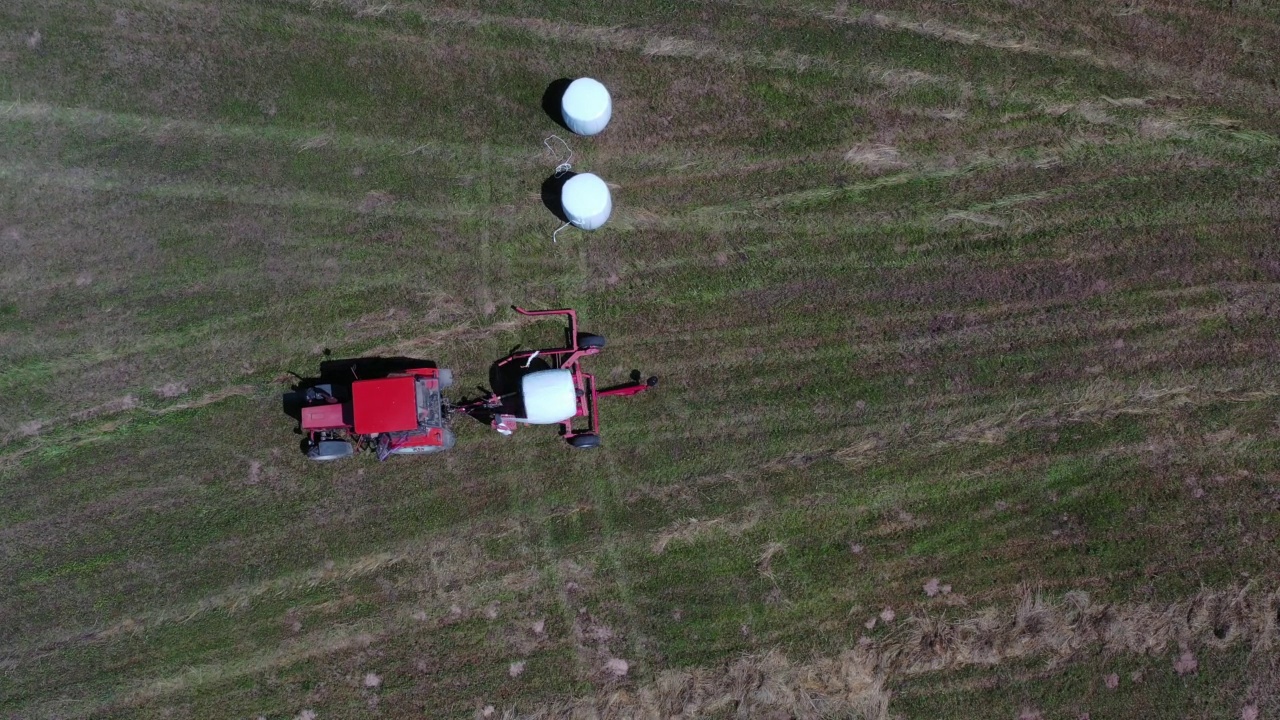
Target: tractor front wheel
589, 341
584, 441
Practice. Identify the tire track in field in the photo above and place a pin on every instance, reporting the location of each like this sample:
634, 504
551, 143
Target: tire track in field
333, 638
123, 406
638, 41
36, 434
737, 215
625, 39
590, 653
645, 43
1131, 137
981, 161
997, 39
157, 188
960, 420
1018, 323
1011, 223
607, 498
12, 379
164, 129
104, 181
555, 567
160, 128
635, 219
415, 552
858, 681
880, 253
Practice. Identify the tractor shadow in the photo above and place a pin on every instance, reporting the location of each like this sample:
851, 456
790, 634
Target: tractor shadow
551, 188
551, 101
340, 374
504, 379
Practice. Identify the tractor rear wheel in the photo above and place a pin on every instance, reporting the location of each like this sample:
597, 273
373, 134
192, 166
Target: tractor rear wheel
585, 441
587, 340
326, 450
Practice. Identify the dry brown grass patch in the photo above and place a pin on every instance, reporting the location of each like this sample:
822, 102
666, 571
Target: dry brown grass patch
315, 142
375, 199
206, 399
764, 563
875, 157
862, 453
692, 529
128, 402
975, 218
30, 428
460, 333
172, 389
898, 521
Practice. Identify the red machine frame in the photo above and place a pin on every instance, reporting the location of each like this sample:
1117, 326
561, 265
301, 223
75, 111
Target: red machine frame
567, 358
393, 414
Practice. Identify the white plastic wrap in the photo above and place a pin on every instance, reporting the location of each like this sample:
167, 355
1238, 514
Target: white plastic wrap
549, 397
586, 106
586, 201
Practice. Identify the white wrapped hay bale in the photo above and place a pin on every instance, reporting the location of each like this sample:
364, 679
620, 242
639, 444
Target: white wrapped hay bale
586, 201
549, 396
586, 106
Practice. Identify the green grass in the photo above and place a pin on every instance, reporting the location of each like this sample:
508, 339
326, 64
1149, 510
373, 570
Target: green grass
1035, 350
1218, 690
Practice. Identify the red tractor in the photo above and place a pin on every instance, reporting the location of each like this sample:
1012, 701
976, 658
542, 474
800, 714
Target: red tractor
403, 412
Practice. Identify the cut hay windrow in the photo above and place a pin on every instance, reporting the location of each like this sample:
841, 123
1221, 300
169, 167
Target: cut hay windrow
858, 681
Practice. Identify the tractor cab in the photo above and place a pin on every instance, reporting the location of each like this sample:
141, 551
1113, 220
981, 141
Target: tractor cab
401, 414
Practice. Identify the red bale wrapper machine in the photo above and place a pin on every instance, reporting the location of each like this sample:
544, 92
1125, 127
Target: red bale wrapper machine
405, 412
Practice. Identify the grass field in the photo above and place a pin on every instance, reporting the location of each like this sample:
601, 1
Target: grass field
966, 315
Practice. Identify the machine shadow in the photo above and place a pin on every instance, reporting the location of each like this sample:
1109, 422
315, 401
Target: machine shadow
551, 188
634, 378
551, 101
504, 380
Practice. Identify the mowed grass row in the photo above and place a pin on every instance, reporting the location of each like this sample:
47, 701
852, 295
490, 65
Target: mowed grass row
215, 264
1020, 334
200, 178
1081, 510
